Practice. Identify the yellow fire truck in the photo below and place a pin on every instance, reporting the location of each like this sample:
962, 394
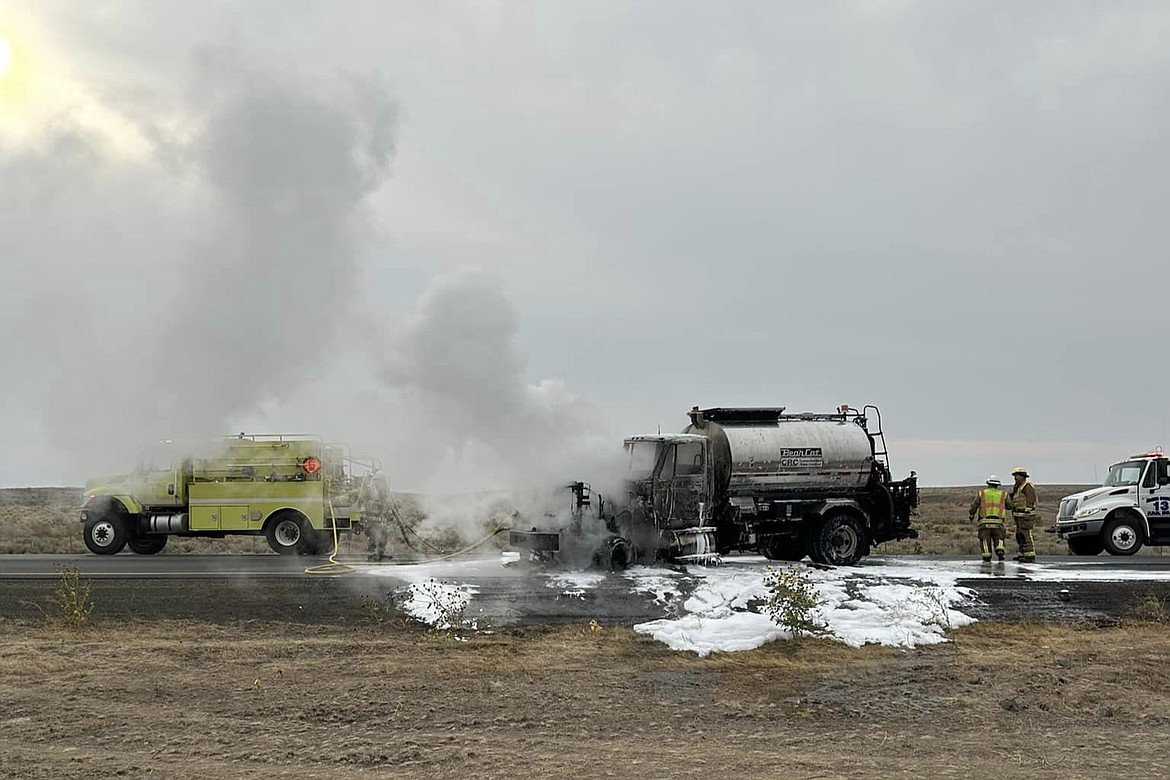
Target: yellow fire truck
292, 489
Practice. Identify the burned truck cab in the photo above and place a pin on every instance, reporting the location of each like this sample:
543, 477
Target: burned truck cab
669, 498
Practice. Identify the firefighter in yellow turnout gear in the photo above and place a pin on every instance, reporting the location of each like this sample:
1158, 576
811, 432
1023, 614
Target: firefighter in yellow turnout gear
1022, 503
990, 505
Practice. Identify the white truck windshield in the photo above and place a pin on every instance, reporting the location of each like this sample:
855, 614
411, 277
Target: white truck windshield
1123, 474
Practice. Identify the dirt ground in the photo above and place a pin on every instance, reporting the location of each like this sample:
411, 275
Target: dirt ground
388, 699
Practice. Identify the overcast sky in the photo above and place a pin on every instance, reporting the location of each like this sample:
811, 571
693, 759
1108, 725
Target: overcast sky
486, 241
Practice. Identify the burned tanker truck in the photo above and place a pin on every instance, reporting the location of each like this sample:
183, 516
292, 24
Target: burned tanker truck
752, 480
790, 485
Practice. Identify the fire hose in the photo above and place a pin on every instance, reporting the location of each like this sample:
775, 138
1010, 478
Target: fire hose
335, 566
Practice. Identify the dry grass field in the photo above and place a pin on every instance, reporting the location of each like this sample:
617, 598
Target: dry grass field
44, 520
180, 700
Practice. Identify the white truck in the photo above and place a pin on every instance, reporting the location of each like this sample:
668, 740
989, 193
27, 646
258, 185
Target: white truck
1130, 510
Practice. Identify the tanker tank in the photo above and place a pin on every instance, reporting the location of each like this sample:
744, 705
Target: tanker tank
790, 485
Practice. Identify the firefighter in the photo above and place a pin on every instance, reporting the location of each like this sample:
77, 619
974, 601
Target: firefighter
1022, 503
990, 505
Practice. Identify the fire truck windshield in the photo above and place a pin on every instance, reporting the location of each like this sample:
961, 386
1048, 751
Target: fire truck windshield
159, 457
1128, 473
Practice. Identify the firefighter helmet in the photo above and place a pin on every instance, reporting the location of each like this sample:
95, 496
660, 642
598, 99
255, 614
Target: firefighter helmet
994, 481
1023, 472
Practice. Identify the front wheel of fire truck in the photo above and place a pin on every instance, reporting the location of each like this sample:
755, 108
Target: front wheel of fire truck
287, 533
839, 541
147, 545
104, 532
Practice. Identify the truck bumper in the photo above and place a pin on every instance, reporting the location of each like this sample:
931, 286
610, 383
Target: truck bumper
535, 541
1067, 529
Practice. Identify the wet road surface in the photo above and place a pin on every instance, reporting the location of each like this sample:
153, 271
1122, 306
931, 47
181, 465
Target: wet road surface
228, 588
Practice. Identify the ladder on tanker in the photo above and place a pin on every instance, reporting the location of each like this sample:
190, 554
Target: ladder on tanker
880, 451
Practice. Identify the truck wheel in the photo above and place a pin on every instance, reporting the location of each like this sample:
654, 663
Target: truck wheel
104, 533
784, 548
614, 554
1086, 545
147, 545
839, 541
287, 534
1123, 536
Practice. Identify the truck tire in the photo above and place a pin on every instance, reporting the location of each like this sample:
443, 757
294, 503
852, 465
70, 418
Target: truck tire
838, 541
1086, 545
288, 533
614, 554
784, 548
104, 532
1123, 535
147, 545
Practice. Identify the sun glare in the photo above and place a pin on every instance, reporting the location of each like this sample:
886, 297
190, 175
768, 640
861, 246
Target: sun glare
5, 56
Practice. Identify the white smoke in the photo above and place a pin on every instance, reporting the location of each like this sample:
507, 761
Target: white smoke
473, 423
216, 271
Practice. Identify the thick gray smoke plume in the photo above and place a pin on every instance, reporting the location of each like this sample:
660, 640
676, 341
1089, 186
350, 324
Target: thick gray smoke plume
175, 294
266, 289
460, 372
472, 422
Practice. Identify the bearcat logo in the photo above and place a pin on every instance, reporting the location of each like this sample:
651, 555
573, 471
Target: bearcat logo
801, 457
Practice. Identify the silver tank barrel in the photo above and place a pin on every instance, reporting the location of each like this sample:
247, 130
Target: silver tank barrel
798, 455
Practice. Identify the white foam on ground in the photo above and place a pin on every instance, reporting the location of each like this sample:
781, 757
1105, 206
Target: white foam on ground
576, 580
437, 603
662, 584
901, 602
725, 612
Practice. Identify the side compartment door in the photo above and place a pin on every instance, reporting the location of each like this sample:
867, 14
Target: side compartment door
233, 518
205, 518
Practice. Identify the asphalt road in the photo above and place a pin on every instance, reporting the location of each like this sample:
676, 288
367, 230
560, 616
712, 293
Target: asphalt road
228, 588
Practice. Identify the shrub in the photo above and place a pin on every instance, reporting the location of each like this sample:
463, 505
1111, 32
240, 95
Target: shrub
73, 598
792, 602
